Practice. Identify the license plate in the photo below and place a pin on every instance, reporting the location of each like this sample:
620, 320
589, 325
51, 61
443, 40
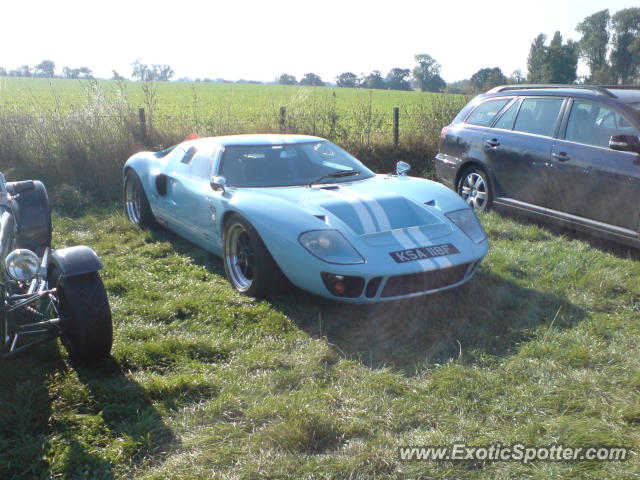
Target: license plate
421, 253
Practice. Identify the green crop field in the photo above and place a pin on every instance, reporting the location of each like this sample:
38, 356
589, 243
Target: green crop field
540, 348
80, 133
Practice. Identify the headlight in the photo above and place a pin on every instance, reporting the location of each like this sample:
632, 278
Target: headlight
467, 221
22, 265
330, 246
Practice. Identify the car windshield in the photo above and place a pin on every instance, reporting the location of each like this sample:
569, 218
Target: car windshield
289, 165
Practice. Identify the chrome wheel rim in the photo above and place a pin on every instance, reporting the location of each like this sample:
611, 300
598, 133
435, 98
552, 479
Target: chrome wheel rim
474, 191
239, 257
132, 200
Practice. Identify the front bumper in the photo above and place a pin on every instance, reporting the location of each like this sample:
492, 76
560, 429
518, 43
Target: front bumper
382, 288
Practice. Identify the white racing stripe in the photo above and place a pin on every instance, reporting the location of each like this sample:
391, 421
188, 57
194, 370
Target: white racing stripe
401, 236
368, 226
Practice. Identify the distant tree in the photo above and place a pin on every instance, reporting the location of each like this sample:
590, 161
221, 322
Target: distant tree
70, 72
460, 86
116, 76
398, 79
85, 72
538, 70
347, 79
312, 79
556, 63
426, 74
625, 49
140, 71
487, 78
161, 73
286, 79
3, 72
593, 44
22, 71
374, 80
46, 68
516, 77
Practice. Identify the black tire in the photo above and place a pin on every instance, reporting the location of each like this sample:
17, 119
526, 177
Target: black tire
135, 202
87, 329
253, 272
475, 189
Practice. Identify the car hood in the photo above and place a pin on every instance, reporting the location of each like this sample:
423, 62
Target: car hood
372, 209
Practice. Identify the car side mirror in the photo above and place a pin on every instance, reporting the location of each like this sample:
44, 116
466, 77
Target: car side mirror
218, 183
402, 168
625, 143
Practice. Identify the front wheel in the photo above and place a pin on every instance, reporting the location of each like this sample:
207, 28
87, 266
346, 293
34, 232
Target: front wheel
83, 306
474, 188
248, 264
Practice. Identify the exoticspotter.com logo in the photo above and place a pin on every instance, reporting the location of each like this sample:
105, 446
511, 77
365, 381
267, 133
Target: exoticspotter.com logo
517, 452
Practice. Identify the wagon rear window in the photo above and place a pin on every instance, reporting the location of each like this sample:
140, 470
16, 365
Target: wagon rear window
484, 113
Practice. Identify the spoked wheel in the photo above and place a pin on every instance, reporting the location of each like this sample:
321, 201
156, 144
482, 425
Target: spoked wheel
474, 189
248, 264
136, 205
240, 257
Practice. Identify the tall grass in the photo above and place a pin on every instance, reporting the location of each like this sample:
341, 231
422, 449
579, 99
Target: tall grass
86, 142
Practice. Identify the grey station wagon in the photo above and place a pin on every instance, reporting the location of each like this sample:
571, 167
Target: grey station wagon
565, 153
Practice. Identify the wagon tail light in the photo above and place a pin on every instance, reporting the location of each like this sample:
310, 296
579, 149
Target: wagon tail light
443, 132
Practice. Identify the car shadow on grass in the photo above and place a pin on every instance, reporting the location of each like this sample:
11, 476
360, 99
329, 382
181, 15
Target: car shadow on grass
602, 244
53, 425
489, 316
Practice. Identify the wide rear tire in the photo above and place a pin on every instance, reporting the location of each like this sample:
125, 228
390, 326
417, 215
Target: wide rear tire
136, 204
87, 329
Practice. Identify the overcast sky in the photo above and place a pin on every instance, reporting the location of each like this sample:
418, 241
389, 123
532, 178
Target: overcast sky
258, 40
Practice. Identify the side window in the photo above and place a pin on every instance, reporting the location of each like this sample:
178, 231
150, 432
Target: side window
200, 165
484, 113
508, 117
538, 116
189, 155
594, 124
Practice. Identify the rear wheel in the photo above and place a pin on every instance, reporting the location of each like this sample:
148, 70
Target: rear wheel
474, 188
248, 264
83, 306
136, 204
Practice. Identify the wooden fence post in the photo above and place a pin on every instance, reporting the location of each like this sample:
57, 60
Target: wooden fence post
396, 126
142, 120
283, 119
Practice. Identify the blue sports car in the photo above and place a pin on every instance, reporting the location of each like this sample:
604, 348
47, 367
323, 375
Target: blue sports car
296, 207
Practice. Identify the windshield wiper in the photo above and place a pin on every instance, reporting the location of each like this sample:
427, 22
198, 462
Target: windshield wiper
336, 174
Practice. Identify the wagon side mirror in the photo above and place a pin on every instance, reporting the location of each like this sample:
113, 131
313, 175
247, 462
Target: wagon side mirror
402, 168
625, 143
218, 183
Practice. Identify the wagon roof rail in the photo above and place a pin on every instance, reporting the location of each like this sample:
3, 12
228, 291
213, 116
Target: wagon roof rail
595, 88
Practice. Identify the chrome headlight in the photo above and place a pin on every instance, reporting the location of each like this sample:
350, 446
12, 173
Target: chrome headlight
467, 221
330, 246
22, 265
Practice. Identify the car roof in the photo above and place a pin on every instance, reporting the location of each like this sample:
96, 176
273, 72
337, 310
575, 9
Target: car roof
255, 140
624, 94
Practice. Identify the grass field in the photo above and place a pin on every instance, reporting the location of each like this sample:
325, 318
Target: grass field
80, 133
540, 348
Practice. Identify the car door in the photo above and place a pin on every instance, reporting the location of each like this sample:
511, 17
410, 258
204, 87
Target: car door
194, 197
518, 149
589, 179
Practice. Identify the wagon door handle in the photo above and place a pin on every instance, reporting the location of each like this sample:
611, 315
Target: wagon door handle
561, 157
493, 143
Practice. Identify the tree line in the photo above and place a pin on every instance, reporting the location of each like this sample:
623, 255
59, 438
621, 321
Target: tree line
424, 76
609, 44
